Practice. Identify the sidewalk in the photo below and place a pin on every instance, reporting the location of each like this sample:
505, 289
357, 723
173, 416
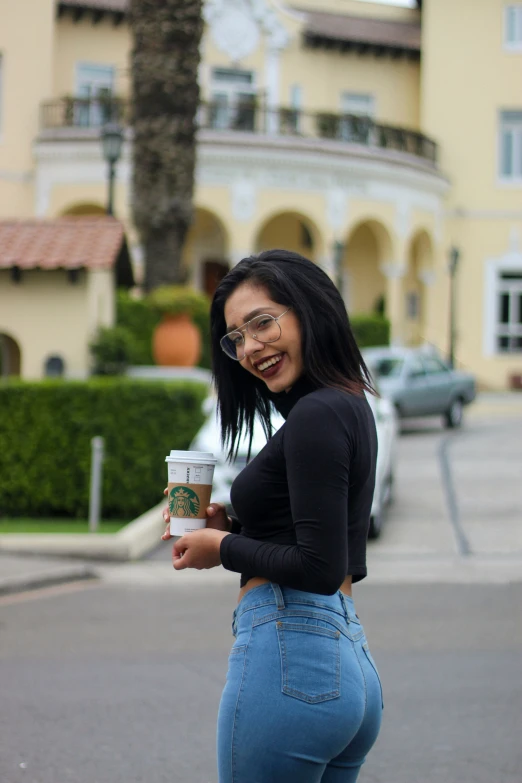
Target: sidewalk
496, 404
20, 573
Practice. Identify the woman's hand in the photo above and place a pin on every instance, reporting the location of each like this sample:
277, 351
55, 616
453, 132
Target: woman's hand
217, 518
199, 549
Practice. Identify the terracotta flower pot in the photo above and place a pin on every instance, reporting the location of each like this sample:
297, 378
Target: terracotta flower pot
176, 342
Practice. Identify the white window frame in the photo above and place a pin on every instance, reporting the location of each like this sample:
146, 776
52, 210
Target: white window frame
347, 95
515, 126
231, 90
516, 45
91, 116
494, 268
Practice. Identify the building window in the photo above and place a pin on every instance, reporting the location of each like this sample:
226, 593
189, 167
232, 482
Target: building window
361, 104
95, 86
513, 27
511, 145
233, 99
509, 312
356, 124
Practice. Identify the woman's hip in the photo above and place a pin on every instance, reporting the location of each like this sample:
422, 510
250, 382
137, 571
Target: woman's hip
305, 640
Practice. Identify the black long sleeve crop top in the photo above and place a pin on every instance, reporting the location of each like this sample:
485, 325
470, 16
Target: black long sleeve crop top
303, 503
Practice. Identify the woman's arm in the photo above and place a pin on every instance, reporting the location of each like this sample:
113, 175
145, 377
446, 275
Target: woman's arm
317, 450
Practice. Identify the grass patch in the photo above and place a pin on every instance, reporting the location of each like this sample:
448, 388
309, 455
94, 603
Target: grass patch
23, 525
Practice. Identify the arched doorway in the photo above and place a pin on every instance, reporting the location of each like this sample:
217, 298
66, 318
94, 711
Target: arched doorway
205, 252
10, 357
84, 210
290, 231
364, 286
419, 275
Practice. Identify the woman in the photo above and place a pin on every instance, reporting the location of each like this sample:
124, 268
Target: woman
302, 701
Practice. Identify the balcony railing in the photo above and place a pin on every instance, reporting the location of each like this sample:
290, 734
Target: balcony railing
250, 117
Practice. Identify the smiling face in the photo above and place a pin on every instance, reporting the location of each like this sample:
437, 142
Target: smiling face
285, 354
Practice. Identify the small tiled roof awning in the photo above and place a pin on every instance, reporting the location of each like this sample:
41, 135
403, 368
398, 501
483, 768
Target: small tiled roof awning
97, 5
343, 31
64, 243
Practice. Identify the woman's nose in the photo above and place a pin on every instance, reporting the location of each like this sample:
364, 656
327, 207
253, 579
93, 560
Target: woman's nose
252, 345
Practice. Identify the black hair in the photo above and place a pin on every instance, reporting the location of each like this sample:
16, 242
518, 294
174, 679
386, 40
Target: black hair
331, 356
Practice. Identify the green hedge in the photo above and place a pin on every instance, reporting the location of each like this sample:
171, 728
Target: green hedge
370, 330
45, 443
137, 317
140, 319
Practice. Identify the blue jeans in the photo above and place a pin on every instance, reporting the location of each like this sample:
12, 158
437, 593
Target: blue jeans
302, 701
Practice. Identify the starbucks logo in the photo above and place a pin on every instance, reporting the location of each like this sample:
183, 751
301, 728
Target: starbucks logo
183, 502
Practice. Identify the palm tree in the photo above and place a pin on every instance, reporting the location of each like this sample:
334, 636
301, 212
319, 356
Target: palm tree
165, 60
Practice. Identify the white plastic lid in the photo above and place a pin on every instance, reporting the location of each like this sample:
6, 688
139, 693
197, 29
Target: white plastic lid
192, 457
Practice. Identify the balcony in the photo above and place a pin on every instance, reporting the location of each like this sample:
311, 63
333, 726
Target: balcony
78, 118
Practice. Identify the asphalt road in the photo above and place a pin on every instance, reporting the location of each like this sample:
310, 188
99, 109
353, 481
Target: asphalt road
113, 684
120, 680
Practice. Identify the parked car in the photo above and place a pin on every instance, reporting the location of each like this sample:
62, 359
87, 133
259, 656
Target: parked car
208, 439
420, 383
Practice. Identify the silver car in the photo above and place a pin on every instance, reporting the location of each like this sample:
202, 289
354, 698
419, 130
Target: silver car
208, 439
420, 383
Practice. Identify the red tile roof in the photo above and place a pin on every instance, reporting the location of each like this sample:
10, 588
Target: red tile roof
64, 243
97, 5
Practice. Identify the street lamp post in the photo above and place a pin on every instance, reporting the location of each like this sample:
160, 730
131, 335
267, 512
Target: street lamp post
454, 256
112, 142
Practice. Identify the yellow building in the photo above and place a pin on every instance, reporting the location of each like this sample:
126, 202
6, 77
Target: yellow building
374, 138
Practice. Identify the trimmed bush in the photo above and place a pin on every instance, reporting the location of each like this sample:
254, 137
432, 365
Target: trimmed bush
370, 330
137, 317
111, 350
45, 443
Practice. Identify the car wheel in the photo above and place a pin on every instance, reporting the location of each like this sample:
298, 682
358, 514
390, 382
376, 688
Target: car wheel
454, 414
375, 525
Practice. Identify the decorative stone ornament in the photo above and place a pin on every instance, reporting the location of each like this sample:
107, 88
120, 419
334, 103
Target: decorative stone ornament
235, 32
236, 26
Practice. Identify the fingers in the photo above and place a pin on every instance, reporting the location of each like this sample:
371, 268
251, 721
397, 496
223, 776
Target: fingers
179, 559
166, 518
213, 509
166, 491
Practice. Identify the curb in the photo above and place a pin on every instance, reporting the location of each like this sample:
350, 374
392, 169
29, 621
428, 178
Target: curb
37, 580
130, 543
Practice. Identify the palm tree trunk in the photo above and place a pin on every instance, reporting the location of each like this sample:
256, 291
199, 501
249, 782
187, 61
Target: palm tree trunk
165, 60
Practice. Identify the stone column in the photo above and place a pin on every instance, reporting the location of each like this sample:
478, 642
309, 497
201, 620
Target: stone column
394, 272
427, 277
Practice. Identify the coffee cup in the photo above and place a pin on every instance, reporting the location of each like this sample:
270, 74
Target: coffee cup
190, 475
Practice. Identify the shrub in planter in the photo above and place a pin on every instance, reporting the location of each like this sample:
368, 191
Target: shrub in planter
140, 319
177, 340
328, 125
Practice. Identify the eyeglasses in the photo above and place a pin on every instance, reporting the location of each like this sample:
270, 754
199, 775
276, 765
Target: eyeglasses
263, 328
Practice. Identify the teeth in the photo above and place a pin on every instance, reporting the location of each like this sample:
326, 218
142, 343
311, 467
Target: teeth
269, 363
